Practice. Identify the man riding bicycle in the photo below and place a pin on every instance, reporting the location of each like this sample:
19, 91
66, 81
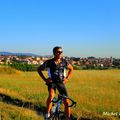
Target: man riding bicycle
57, 78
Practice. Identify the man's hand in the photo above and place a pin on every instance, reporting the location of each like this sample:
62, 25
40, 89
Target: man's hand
48, 80
65, 80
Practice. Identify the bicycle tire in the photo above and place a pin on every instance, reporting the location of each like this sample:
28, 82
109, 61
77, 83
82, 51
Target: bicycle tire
58, 116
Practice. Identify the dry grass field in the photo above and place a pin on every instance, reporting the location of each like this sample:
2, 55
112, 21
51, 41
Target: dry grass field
97, 92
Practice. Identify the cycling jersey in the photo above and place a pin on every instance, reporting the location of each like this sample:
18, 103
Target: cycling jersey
56, 71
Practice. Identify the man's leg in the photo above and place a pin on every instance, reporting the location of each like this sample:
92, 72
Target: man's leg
67, 109
63, 91
49, 100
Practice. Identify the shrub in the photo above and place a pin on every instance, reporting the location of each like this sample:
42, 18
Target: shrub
23, 66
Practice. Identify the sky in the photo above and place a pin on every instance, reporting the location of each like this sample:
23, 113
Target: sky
82, 27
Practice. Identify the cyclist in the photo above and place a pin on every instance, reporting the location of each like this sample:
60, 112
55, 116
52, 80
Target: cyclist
57, 78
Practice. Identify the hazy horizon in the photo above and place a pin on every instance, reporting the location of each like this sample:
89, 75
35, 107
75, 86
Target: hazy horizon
63, 55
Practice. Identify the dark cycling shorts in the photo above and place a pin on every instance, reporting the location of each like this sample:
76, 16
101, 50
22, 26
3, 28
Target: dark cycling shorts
59, 86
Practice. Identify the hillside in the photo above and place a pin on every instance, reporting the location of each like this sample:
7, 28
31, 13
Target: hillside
18, 54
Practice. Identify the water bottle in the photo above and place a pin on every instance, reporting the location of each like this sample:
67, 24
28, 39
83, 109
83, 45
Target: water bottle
53, 108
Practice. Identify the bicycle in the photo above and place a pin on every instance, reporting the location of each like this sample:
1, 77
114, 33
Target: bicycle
56, 113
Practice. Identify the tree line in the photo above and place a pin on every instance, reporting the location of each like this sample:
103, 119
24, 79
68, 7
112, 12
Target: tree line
30, 67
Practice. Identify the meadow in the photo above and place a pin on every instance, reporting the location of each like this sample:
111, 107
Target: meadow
97, 92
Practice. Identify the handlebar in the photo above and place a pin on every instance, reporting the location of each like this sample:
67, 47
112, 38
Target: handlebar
62, 97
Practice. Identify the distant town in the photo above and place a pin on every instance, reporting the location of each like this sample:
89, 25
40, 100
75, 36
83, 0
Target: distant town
77, 62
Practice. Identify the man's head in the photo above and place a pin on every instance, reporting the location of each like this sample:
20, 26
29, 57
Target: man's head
57, 51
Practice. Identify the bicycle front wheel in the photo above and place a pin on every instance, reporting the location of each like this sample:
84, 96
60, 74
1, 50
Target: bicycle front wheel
58, 116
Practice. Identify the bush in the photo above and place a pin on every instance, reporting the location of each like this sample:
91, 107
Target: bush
76, 67
23, 67
85, 67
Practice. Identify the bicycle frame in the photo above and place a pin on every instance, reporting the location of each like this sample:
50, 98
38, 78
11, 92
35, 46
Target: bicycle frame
57, 113
58, 106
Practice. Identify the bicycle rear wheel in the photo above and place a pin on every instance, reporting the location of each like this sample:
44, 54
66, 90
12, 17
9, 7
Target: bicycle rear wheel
58, 116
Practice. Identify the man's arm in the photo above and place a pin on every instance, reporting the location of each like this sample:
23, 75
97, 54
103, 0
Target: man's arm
69, 73
40, 69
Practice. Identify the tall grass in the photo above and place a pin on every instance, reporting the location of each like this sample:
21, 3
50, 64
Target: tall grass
10, 112
8, 70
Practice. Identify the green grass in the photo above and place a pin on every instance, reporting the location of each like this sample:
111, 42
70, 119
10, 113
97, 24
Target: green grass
95, 91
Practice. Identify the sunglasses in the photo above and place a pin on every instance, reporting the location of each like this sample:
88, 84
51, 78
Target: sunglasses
59, 52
